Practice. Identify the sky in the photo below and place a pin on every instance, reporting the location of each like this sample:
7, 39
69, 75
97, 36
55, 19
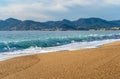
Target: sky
47, 10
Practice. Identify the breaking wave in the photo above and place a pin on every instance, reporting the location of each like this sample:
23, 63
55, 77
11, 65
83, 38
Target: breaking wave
51, 42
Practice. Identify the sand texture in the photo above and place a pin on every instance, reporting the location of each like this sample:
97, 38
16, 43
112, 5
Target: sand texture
98, 63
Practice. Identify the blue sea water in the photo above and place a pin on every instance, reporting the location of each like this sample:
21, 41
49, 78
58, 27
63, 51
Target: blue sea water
21, 42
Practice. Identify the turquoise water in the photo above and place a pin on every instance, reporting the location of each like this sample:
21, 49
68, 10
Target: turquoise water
19, 40
19, 43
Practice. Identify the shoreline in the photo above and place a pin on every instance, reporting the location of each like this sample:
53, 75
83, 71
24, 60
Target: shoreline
67, 47
95, 63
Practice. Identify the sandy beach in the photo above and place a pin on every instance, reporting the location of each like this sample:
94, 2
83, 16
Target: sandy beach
97, 63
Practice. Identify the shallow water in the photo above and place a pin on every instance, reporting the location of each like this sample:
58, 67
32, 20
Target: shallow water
17, 43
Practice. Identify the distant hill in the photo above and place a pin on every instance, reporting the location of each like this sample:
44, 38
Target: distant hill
64, 25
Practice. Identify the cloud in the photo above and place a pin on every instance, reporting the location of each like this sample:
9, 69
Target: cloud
112, 2
42, 9
38, 10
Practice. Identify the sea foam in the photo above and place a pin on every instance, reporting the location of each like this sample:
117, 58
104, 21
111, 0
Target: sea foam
68, 47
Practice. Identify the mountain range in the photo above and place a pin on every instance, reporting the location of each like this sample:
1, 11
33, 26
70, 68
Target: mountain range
64, 25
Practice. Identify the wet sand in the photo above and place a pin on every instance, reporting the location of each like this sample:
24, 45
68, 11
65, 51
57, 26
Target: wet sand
97, 63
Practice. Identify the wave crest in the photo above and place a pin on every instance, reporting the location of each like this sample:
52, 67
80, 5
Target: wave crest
51, 42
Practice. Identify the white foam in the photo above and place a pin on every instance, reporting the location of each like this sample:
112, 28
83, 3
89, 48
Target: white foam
72, 46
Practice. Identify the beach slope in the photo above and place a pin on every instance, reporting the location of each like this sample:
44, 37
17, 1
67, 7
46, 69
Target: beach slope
98, 63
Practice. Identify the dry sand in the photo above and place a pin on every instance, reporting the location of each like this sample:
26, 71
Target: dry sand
98, 63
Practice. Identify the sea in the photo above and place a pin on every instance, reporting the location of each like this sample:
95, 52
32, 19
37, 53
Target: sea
20, 43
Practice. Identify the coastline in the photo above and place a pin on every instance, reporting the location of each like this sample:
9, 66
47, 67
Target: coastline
96, 63
68, 47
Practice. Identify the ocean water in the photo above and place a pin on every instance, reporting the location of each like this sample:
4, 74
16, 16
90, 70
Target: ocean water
18, 43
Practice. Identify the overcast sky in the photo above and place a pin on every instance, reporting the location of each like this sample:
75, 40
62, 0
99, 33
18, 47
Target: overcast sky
44, 10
